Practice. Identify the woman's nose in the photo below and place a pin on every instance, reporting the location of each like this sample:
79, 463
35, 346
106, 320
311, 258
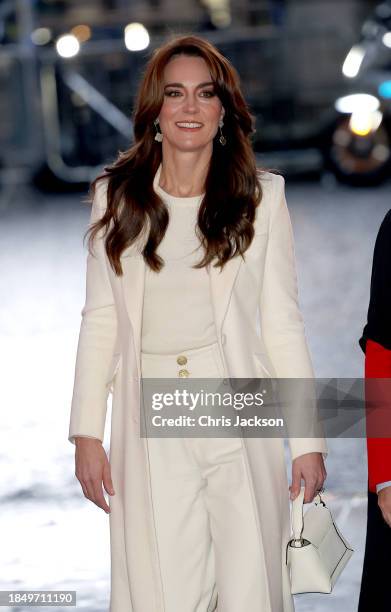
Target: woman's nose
190, 103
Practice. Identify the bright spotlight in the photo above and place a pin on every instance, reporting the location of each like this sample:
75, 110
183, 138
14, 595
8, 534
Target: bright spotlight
353, 61
67, 45
356, 103
363, 123
387, 39
136, 37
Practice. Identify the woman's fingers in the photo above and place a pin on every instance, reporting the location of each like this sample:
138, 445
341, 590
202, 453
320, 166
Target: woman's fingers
91, 465
310, 468
311, 484
84, 489
99, 498
92, 489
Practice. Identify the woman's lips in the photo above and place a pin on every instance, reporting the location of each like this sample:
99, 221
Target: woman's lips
189, 129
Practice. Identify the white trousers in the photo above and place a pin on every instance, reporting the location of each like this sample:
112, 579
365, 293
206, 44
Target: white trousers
208, 545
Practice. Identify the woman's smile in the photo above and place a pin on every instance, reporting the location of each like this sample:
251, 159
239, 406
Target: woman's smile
189, 125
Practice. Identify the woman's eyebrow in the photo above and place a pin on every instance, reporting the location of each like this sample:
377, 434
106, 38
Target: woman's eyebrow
181, 84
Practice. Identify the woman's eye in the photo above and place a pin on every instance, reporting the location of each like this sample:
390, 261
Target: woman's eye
168, 93
209, 94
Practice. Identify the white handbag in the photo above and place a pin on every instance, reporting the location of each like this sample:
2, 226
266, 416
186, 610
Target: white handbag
318, 552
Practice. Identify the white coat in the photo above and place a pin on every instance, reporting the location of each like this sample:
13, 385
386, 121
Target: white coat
260, 290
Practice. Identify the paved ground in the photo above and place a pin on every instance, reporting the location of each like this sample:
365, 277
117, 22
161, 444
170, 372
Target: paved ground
51, 537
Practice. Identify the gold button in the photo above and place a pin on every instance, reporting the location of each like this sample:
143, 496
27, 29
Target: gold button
181, 360
183, 373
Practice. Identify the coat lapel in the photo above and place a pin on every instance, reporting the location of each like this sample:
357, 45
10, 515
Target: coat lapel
132, 280
221, 282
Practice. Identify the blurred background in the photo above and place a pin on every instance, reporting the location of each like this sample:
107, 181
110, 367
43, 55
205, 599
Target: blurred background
317, 76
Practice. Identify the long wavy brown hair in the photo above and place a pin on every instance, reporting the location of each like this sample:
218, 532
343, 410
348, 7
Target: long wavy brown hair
227, 211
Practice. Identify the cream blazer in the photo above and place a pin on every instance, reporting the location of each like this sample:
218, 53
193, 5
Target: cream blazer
260, 333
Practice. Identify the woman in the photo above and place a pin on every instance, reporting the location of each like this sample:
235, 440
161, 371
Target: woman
376, 344
194, 523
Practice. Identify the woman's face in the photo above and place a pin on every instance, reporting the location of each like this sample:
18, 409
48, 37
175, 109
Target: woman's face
189, 97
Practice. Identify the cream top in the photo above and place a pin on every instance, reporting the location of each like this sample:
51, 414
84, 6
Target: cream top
177, 308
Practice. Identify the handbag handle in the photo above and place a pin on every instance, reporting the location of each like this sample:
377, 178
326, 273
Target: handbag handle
298, 515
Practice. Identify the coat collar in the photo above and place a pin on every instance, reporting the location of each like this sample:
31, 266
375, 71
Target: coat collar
133, 282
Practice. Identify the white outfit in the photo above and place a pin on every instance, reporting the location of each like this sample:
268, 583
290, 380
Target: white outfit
262, 287
208, 546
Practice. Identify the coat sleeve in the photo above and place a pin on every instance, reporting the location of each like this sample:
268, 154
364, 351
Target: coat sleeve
281, 320
96, 338
377, 365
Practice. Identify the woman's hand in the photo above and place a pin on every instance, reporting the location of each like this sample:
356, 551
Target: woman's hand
309, 467
384, 503
93, 468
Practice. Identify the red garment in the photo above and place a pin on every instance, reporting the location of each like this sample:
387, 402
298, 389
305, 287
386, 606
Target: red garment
378, 365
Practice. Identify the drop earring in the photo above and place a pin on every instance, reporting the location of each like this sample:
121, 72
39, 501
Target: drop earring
158, 135
222, 138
